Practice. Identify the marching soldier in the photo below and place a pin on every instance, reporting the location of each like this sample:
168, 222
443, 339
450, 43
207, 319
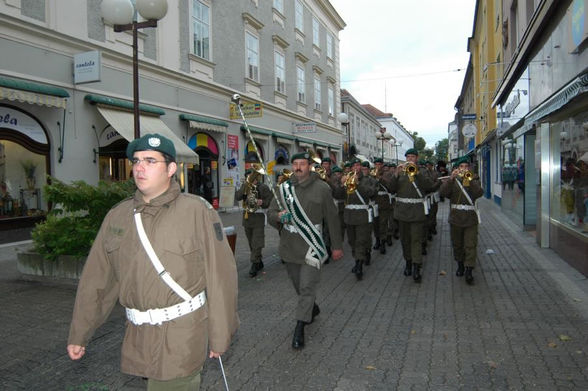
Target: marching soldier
358, 215
393, 223
256, 197
308, 205
411, 186
435, 198
338, 197
463, 191
384, 201
326, 164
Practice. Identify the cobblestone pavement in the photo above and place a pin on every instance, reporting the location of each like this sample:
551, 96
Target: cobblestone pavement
522, 326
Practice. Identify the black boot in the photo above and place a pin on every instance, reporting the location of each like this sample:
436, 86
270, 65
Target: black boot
354, 269
359, 270
259, 265
298, 340
434, 230
377, 245
469, 278
416, 273
408, 268
460, 268
383, 248
253, 270
389, 240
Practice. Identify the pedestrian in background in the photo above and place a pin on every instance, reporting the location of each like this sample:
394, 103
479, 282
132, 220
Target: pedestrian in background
164, 256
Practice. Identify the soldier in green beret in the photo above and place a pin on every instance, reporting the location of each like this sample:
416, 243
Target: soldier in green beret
463, 189
326, 163
308, 205
411, 186
338, 197
384, 201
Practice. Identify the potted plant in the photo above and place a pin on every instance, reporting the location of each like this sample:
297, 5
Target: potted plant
29, 168
62, 242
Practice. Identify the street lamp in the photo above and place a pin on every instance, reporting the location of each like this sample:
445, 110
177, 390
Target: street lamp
344, 119
383, 136
123, 17
396, 145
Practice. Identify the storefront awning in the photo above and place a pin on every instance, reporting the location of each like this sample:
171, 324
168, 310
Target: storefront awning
283, 138
204, 123
257, 133
123, 104
32, 93
123, 123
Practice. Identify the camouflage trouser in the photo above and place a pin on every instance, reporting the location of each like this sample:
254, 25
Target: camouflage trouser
360, 240
256, 238
465, 244
411, 233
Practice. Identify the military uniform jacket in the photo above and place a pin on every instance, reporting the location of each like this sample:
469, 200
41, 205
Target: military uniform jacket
410, 212
186, 234
315, 198
338, 192
385, 201
256, 219
368, 188
461, 218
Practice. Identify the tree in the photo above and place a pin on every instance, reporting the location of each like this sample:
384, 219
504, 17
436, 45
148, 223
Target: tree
441, 149
419, 142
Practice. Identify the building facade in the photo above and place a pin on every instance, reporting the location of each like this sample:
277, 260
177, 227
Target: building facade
282, 57
401, 141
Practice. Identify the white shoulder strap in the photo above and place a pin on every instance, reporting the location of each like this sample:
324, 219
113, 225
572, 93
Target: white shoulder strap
174, 286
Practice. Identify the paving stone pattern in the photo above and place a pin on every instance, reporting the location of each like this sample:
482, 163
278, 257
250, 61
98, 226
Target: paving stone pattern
517, 328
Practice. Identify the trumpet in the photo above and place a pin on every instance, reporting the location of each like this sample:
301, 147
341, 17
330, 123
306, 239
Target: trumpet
374, 172
466, 176
411, 170
286, 174
321, 171
350, 182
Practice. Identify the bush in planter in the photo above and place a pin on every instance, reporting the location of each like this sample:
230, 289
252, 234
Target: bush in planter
79, 208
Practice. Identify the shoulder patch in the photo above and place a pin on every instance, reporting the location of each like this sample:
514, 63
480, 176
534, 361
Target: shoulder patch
218, 230
208, 206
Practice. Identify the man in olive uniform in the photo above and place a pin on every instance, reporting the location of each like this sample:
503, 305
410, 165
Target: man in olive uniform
434, 197
335, 183
308, 205
255, 192
463, 217
411, 211
164, 256
384, 201
358, 215
392, 223
326, 163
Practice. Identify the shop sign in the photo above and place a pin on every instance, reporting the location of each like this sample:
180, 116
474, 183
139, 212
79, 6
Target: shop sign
87, 67
304, 127
108, 136
23, 123
232, 141
250, 110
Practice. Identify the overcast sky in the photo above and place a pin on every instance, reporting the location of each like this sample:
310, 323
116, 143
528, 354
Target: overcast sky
403, 56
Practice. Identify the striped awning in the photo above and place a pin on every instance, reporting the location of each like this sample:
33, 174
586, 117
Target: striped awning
32, 93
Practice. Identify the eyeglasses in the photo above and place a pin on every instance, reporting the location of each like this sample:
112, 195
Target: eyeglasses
148, 161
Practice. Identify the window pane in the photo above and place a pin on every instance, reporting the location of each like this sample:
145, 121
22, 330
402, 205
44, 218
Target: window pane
201, 28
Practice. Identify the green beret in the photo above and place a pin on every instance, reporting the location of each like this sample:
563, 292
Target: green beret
429, 162
336, 169
347, 164
301, 155
463, 159
378, 160
365, 163
421, 162
326, 160
392, 165
353, 161
412, 151
152, 142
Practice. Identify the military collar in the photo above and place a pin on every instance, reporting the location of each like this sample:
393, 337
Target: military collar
168, 196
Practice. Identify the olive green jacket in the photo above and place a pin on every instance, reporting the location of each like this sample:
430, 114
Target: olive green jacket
256, 219
367, 188
451, 190
410, 212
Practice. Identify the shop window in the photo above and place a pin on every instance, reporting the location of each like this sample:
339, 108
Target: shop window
569, 190
250, 155
513, 176
281, 156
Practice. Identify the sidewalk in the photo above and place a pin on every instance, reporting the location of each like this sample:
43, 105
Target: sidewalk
522, 326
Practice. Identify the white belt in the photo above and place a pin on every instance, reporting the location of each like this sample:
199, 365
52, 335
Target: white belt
260, 211
356, 206
159, 315
292, 228
383, 193
339, 201
410, 200
462, 207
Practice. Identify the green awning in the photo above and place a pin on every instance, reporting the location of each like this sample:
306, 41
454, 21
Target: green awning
283, 135
256, 130
125, 104
33, 93
204, 120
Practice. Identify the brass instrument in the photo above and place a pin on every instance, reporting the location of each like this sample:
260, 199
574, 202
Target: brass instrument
251, 194
374, 172
321, 171
466, 176
286, 174
411, 170
350, 182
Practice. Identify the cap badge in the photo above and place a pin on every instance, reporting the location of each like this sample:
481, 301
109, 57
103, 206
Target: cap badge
154, 142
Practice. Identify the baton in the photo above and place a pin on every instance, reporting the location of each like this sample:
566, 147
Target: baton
223, 371
236, 99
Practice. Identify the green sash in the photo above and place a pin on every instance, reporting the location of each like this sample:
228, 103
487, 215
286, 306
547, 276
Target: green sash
317, 251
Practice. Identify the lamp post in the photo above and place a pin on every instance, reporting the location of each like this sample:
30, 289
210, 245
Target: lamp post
344, 119
123, 17
383, 136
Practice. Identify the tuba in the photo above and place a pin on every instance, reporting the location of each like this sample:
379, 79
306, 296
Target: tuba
251, 194
411, 170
